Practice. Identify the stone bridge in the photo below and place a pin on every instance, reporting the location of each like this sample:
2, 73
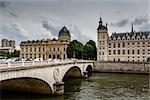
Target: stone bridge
41, 77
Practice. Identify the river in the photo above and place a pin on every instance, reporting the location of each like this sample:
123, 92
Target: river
99, 86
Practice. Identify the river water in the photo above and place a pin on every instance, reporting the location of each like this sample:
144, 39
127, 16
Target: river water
99, 86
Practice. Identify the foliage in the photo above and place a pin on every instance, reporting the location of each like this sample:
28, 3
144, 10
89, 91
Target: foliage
77, 50
9, 55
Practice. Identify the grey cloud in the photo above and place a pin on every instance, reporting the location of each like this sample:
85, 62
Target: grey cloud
120, 23
14, 31
51, 26
3, 4
77, 34
140, 20
145, 27
13, 14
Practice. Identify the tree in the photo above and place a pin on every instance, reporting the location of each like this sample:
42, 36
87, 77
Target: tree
90, 51
75, 49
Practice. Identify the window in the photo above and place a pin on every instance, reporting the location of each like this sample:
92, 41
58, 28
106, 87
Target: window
109, 52
50, 56
64, 49
138, 51
143, 51
128, 43
118, 59
114, 45
128, 51
34, 56
123, 51
118, 45
64, 56
114, 52
30, 55
99, 53
132, 43
123, 45
54, 50
103, 53
39, 49
132, 51
53, 56
35, 49
100, 42
118, 51
58, 49
58, 56
39, 55
43, 49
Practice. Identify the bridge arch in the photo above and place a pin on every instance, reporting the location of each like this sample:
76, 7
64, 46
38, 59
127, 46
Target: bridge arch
73, 72
26, 84
89, 69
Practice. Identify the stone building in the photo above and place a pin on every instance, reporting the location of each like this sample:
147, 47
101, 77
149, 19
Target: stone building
7, 45
49, 48
131, 46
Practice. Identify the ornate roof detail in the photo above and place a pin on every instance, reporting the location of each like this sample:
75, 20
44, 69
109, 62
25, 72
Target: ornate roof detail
64, 32
101, 26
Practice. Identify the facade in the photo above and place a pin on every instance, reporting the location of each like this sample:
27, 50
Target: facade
131, 46
49, 48
7, 45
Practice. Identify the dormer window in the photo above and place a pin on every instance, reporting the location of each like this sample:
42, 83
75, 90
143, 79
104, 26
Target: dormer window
133, 38
123, 38
119, 38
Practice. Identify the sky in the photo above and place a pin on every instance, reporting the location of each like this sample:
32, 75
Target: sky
23, 20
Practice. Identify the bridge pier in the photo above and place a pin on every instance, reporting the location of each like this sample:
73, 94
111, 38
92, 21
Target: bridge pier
85, 74
58, 88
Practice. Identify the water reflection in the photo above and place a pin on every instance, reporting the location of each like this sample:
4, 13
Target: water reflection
100, 86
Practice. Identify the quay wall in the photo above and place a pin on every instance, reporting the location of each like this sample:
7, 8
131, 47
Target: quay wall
122, 67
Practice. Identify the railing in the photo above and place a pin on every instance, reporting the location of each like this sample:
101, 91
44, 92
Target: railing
34, 63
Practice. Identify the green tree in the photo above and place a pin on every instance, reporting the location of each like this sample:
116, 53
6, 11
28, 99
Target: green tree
75, 49
90, 51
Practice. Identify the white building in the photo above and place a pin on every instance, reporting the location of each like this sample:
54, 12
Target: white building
132, 46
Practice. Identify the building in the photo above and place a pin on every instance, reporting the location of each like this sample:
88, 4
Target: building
7, 45
131, 46
49, 48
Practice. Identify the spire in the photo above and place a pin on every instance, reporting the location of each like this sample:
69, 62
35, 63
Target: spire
132, 27
100, 21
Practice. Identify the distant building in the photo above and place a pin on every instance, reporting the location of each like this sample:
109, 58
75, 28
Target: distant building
49, 48
131, 46
7, 45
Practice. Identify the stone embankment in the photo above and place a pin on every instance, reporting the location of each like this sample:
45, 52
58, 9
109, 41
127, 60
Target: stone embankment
122, 67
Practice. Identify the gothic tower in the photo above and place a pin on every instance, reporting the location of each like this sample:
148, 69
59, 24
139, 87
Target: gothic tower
102, 37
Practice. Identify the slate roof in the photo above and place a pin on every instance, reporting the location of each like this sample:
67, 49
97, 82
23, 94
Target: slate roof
131, 34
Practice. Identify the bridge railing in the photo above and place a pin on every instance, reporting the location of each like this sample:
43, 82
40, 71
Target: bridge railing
31, 63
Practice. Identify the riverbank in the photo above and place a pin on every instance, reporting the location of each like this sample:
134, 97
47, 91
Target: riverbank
122, 67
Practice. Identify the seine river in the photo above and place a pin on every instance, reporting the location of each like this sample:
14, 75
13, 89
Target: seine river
99, 86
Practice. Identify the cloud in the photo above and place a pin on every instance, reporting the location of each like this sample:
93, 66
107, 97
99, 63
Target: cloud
120, 23
13, 14
54, 27
145, 27
77, 34
13, 31
51, 26
3, 4
140, 20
